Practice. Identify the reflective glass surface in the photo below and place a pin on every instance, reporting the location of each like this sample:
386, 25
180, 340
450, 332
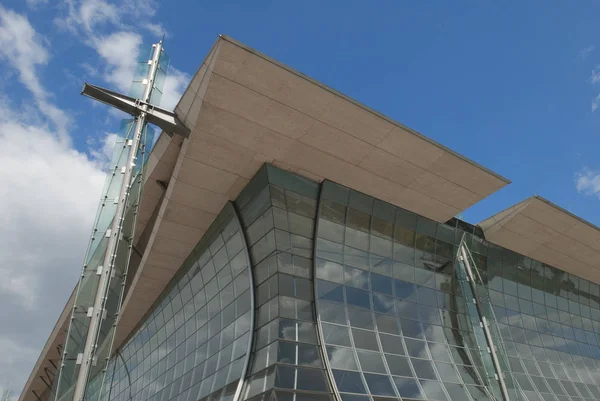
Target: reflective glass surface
354, 293
397, 318
93, 267
194, 343
278, 211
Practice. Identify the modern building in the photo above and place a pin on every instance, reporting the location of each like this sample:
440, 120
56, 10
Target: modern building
300, 246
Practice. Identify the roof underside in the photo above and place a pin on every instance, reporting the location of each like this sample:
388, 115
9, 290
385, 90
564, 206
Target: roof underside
543, 231
245, 109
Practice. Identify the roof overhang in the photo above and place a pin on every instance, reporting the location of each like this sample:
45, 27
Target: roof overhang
45, 368
245, 109
541, 230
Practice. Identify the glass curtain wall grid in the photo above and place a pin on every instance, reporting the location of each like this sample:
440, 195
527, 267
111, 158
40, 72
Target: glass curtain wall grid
194, 344
319, 292
278, 210
89, 281
486, 335
73, 354
386, 300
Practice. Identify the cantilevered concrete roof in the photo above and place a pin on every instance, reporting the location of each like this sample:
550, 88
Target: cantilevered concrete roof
548, 233
245, 109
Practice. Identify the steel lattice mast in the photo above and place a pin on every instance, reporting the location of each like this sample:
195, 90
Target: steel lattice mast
88, 333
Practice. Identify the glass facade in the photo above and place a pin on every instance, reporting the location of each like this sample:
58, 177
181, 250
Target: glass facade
194, 344
278, 212
395, 314
319, 292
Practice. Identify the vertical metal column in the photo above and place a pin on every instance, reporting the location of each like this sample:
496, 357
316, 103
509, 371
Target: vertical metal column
464, 257
91, 342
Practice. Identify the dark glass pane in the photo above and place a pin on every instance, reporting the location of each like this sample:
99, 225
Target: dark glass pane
404, 290
457, 391
370, 361
311, 379
361, 318
284, 377
416, 348
398, 365
381, 283
348, 381
383, 303
334, 313
391, 344
478, 393
423, 369
330, 291
386, 324
341, 358
358, 297
356, 278
379, 385
411, 328
308, 355
408, 388
353, 397
404, 218
364, 339
447, 372
337, 335
433, 390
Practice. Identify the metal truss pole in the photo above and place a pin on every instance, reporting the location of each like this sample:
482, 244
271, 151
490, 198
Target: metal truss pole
97, 315
464, 257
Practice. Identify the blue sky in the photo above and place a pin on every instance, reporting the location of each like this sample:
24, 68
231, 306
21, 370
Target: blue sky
510, 85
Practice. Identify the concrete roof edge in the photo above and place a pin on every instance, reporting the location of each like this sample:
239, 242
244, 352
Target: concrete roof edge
506, 209
349, 99
64, 315
565, 211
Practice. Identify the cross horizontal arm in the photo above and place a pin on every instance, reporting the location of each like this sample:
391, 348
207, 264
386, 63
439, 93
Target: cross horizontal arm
166, 120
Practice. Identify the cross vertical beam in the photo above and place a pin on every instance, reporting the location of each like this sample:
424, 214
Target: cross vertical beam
91, 341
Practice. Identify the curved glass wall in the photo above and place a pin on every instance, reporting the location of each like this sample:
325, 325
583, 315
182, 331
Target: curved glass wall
392, 318
356, 298
194, 343
395, 322
278, 211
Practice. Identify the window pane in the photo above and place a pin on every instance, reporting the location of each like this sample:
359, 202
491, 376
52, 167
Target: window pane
341, 358
398, 365
349, 381
408, 388
371, 361
379, 385
364, 339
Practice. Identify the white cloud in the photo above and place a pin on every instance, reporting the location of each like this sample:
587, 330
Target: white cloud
587, 182
87, 14
101, 153
175, 84
11, 363
119, 51
595, 77
23, 48
596, 103
48, 200
35, 4
156, 29
585, 52
50, 190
